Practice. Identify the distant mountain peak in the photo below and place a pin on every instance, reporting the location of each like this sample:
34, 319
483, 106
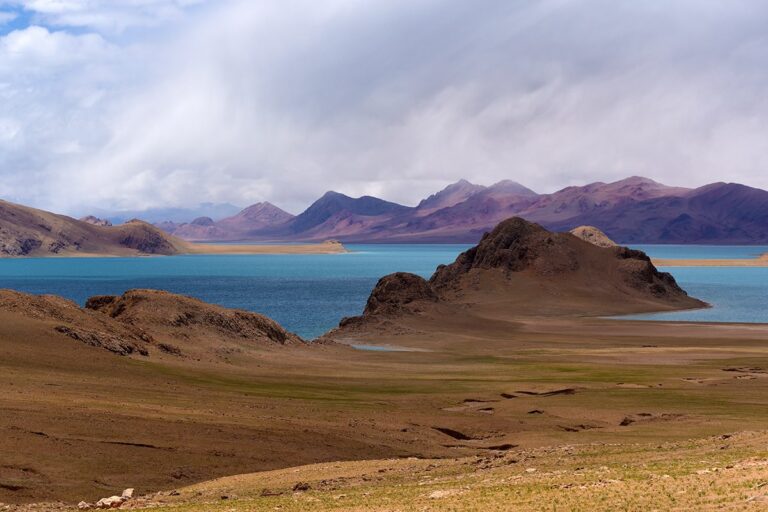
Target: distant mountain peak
451, 195
258, 215
512, 187
637, 180
331, 194
203, 221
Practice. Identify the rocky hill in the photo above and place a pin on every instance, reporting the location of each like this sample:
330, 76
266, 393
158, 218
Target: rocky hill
152, 323
522, 269
28, 231
184, 325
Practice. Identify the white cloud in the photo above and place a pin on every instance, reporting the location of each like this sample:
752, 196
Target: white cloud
245, 101
37, 47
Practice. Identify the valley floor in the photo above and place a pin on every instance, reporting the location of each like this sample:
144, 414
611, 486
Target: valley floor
490, 413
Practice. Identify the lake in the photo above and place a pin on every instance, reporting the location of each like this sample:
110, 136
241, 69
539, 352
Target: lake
309, 294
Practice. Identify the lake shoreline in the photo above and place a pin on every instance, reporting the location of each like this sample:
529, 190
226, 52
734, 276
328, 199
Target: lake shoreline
329, 247
761, 261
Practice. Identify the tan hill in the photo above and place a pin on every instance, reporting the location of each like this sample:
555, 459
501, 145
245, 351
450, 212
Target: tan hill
28, 231
184, 326
521, 269
64, 317
153, 323
593, 235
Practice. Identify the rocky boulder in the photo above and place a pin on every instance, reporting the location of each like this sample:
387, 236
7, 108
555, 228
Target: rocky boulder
395, 292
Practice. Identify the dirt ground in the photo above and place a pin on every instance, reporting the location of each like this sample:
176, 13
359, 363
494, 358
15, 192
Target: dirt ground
79, 423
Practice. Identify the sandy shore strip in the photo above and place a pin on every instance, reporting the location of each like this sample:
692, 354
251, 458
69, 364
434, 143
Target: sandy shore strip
330, 247
762, 261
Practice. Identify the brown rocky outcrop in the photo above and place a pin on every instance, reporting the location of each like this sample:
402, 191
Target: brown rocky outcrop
396, 291
150, 323
173, 317
524, 269
91, 219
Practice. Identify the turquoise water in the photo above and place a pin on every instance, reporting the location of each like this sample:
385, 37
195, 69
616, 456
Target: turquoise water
378, 348
704, 252
309, 294
736, 294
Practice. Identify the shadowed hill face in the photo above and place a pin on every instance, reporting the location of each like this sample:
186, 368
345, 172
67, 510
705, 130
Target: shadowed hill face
333, 204
520, 268
394, 291
718, 213
30, 232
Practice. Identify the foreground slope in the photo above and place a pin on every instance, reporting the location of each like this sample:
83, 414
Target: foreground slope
28, 231
724, 472
469, 381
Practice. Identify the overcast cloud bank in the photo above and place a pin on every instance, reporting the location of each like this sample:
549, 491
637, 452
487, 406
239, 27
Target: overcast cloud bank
130, 104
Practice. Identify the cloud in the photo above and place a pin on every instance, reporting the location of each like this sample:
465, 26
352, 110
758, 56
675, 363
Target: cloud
243, 101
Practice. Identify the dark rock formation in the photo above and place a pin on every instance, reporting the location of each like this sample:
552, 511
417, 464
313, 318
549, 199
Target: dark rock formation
90, 219
396, 291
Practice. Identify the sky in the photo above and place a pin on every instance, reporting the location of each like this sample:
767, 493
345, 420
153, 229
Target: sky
133, 104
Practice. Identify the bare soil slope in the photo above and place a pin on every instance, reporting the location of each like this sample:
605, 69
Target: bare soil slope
28, 231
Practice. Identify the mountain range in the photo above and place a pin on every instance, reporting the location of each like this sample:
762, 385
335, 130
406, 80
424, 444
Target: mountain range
632, 210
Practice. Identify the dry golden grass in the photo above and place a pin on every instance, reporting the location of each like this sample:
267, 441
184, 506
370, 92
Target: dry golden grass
728, 472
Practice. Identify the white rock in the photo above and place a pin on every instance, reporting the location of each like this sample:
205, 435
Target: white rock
84, 505
111, 502
128, 493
